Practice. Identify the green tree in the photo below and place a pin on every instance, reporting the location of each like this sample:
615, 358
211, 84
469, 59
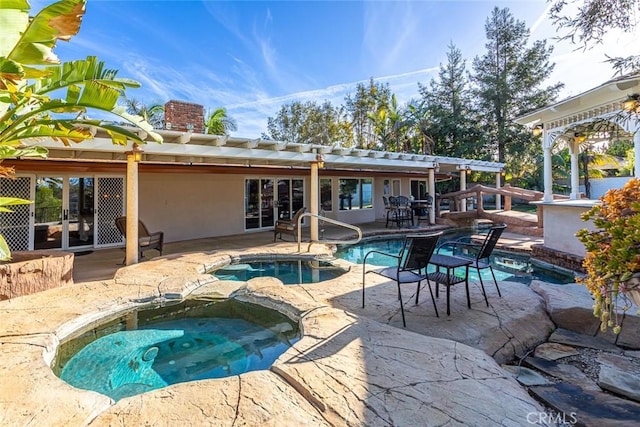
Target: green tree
367, 103
43, 98
152, 113
309, 122
452, 126
592, 20
218, 122
418, 128
508, 82
388, 124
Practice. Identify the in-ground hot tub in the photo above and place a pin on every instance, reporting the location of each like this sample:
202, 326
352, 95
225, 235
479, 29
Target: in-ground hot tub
289, 270
195, 339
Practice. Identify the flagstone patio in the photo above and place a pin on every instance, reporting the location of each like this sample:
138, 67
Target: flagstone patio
353, 366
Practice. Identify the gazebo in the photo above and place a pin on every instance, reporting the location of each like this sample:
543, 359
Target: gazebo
597, 115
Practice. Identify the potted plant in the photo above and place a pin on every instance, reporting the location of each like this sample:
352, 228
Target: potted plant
613, 253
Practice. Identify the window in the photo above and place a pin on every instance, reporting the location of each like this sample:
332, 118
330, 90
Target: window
326, 193
395, 187
356, 193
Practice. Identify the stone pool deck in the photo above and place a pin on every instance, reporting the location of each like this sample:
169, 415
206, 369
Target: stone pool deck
353, 366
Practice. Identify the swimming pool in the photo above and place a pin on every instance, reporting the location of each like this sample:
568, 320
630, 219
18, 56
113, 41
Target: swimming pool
507, 266
289, 271
193, 340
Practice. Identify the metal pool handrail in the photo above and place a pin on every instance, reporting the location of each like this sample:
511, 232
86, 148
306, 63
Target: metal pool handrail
331, 221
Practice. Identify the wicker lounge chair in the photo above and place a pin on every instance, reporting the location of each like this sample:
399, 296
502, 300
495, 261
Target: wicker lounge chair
288, 226
146, 240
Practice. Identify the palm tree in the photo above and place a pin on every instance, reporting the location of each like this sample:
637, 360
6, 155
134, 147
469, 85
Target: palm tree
152, 113
32, 78
219, 123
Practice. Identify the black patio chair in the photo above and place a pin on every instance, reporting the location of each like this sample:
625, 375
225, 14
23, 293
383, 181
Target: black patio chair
411, 268
479, 253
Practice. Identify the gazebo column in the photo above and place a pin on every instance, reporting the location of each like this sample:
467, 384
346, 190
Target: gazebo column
636, 152
574, 149
432, 193
548, 177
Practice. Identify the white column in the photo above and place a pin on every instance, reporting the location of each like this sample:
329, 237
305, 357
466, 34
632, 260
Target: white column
498, 185
548, 177
314, 201
463, 186
574, 149
432, 193
636, 152
132, 210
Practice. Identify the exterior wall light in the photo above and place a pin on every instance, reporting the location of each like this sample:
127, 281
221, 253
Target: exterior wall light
537, 131
136, 152
579, 137
320, 161
631, 104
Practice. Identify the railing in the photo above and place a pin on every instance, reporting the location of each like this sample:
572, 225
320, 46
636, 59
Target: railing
330, 221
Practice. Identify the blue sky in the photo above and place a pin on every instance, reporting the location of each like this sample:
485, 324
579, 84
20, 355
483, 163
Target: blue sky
252, 57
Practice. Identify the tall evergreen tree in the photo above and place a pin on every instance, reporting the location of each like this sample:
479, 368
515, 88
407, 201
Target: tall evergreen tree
449, 106
366, 103
508, 82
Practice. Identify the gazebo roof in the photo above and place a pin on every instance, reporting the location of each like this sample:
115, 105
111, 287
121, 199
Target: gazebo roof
600, 102
194, 148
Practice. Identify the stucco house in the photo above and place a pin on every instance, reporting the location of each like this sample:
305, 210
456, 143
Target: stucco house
195, 185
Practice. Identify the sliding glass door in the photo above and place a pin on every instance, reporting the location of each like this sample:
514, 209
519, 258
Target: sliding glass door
266, 199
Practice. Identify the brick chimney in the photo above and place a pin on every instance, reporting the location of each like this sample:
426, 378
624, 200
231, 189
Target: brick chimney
184, 116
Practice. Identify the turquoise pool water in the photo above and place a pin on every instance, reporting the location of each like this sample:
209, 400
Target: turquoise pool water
290, 272
190, 341
506, 266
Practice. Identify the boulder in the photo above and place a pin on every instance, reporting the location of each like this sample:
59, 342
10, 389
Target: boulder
35, 271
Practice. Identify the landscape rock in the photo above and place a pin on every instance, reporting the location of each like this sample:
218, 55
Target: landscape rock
563, 371
570, 306
619, 375
526, 376
578, 406
554, 351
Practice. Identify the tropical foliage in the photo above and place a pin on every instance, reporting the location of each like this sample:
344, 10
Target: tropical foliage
152, 113
43, 98
218, 122
613, 250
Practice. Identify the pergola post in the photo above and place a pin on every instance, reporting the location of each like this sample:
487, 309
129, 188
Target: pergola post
432, 193
131, 242
463, 186
498, 184
315, 196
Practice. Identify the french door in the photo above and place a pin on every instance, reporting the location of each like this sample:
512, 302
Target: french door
68, 212
64, 212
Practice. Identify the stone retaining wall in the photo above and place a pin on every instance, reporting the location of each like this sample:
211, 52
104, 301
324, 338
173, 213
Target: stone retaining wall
559, 258
35, 271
